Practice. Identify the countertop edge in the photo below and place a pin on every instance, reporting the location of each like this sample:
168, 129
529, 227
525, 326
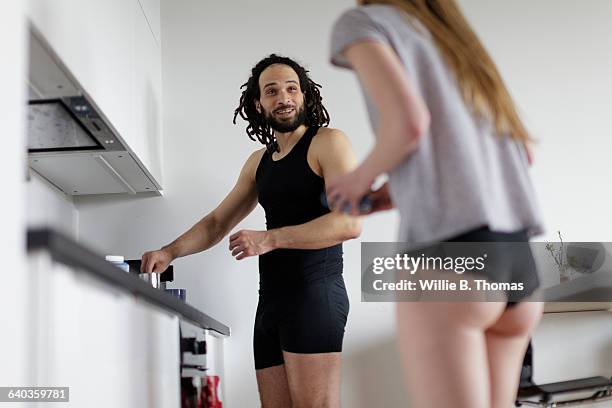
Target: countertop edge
65, 250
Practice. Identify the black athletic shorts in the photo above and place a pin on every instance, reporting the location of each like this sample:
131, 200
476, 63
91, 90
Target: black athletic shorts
501, 260
309, 318
512, 262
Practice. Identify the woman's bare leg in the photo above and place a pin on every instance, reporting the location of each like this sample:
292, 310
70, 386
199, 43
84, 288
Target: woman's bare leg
444, 352
506, 344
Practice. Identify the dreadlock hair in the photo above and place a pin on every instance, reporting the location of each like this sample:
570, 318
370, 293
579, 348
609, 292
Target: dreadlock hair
316, 114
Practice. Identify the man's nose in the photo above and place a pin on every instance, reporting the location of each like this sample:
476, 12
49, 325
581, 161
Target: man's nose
283, 97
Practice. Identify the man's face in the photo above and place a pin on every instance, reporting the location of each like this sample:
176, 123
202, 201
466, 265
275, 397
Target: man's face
281, 101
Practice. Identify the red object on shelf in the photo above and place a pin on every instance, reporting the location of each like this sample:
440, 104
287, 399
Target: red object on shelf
209, 397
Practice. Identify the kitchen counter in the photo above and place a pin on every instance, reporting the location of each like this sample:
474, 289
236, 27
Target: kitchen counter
66, 251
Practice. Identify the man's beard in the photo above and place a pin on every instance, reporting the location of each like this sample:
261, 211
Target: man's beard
286, 127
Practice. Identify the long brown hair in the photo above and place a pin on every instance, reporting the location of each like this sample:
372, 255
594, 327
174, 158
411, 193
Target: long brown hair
479, 80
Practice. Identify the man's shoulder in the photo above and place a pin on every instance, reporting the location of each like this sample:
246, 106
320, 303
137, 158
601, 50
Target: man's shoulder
331, 146
256, 155
252, 162
329, 132
327, 138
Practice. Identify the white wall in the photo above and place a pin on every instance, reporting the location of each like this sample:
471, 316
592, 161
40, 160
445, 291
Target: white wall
555, 57
551, 52
46, 206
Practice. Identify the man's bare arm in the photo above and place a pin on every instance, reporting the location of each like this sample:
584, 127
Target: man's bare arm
214, 226
322, 232
334, 156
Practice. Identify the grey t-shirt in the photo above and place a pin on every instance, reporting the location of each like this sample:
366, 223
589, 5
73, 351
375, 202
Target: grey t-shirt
463, 175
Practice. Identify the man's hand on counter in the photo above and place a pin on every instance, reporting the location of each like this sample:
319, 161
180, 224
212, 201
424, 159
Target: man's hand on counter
155, 261
245, 243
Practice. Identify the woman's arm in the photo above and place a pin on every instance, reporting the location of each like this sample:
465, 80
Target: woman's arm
403, 117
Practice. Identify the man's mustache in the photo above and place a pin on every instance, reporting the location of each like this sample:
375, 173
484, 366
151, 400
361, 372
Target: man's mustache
283, 107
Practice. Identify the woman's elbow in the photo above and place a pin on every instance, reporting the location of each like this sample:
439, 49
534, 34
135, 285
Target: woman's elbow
406, 135
422, 127
416, 130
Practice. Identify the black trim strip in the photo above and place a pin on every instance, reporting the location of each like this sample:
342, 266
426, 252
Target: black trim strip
66, 251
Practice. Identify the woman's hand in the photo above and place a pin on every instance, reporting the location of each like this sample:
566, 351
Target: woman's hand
345, 192
380, 199
245, 243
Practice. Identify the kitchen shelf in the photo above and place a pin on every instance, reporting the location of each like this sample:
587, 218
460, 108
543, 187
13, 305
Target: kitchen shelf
587, 293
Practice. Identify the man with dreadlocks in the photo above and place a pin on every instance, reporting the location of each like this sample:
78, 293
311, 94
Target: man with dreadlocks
303, 304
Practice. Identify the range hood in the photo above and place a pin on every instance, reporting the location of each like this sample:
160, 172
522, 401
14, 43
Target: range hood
71, 143
67, 124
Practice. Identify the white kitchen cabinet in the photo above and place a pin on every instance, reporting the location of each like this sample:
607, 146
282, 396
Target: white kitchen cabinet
111, 50
152, 11
13, 216
215, 361
110, 348
147, 95
94, 39
155, 354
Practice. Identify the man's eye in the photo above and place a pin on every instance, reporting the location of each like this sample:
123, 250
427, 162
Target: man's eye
270, 92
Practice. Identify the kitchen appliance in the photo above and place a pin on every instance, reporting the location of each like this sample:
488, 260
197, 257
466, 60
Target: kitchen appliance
157, 280
68, 124
179, 293
193, 364
71, 143
152, 279
119, 262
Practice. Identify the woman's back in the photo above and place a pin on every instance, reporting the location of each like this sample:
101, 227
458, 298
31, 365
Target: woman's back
463, 174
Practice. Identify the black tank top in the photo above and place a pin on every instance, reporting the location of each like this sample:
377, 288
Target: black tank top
290, 193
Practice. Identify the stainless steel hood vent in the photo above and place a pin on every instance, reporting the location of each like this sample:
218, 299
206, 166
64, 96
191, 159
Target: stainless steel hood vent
67, 124
70, 141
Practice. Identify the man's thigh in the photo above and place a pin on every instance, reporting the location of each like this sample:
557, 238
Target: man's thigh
314, 379
273, 387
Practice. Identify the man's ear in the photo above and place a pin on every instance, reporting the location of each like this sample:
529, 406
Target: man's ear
258, 106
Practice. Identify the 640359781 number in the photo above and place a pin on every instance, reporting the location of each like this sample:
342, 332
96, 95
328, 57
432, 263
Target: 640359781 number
40, 394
